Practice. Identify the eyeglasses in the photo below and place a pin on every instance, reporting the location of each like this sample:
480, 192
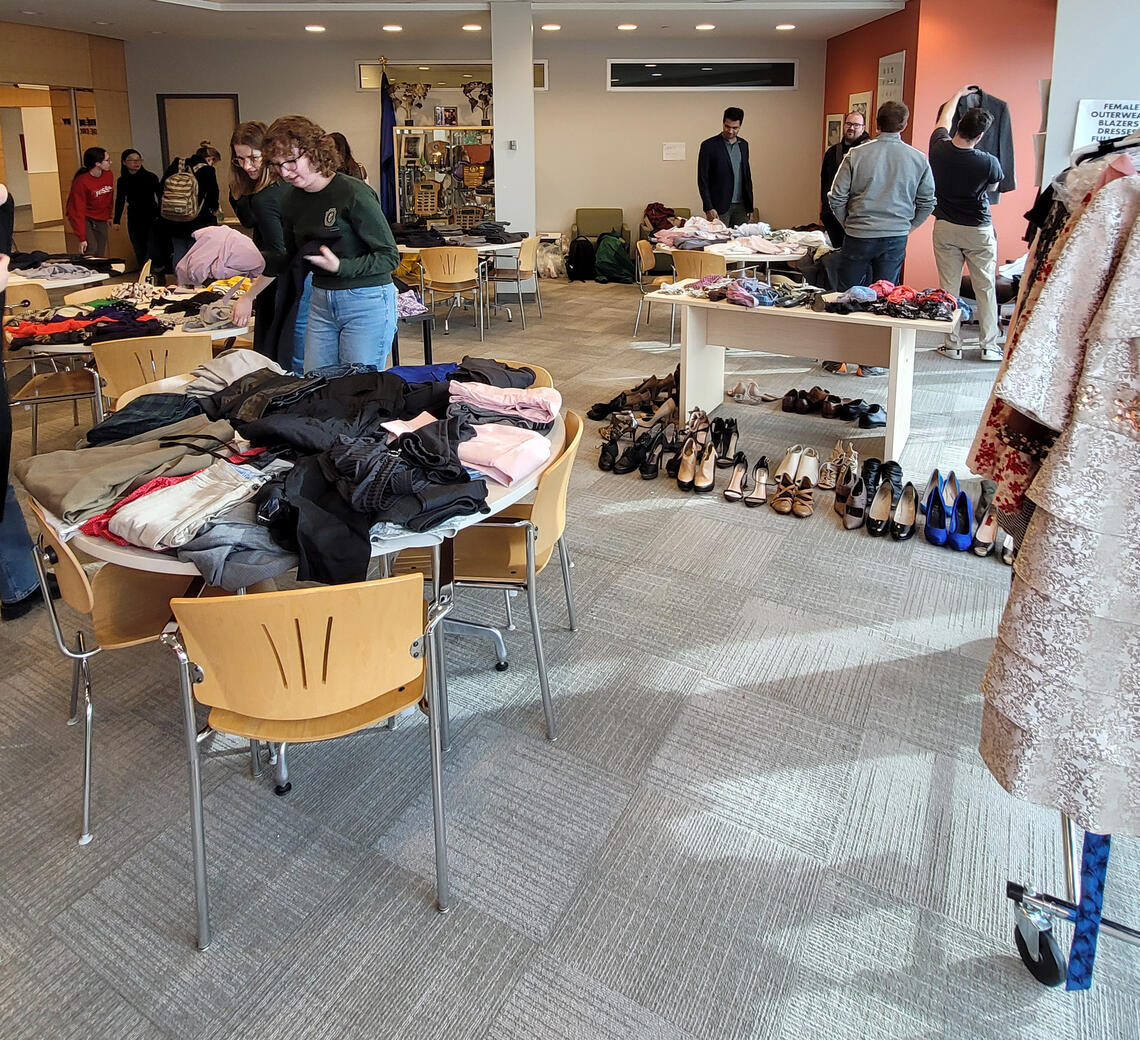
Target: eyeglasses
247, 160
854, 126
289, 164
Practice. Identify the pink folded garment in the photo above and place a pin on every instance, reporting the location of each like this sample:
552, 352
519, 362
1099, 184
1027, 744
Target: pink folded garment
539, 404
398, 426
504, 453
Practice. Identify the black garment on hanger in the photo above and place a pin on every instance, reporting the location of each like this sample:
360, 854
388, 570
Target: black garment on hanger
997, 140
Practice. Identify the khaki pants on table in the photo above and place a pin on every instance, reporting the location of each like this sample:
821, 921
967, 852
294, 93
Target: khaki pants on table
955, 244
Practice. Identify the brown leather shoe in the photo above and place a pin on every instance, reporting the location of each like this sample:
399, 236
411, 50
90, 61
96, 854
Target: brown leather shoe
802, 505
816, 396
784, 496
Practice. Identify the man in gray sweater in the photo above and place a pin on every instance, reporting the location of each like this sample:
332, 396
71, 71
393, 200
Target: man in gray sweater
882, 191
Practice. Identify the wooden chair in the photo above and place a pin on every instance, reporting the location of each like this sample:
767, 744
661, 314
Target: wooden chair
92, 292
525, 264
144, 273
169, 385
126, 607
24, 297
646, 262
72, 385
425, 199
125, 364
301, 666
509, 550
454, 271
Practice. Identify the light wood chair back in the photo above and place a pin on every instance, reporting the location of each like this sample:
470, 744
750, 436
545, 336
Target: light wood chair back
144, 273
92, 292
128, 363
695, 263
425, 199
25, 297
74, 587
170, 385
449, 265
528, 257
647, 259
305, 653
549, 510
541, 376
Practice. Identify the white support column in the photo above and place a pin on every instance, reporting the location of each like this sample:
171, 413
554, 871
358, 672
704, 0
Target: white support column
512, 72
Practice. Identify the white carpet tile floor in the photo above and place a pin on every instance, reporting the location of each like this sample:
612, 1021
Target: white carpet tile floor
766, 815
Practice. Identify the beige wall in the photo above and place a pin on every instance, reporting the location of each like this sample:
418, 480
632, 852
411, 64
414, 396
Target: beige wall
593, 147
597, 148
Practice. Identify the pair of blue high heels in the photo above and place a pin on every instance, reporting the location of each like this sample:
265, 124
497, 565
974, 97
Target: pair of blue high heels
949, 513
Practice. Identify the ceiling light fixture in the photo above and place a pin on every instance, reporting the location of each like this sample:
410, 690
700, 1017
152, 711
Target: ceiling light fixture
785, 27
104, 23
706, 68
29, 12
651, 66
705, 27
472, 28
627, 27
157, 32
314, 28
425, 68
552, 27
392, 28
656, 74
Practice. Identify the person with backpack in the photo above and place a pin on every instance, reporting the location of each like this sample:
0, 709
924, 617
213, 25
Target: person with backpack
91, 200
137, 191
334, 225
190, 200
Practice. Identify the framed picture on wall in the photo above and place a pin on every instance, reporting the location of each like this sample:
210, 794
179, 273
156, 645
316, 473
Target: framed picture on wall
833, 129
412, 144
861, 103
446, 115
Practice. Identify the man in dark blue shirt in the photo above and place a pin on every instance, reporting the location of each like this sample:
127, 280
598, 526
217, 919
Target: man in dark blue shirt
963, 232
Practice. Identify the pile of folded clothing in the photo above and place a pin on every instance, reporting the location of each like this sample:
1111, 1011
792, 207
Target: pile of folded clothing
893, 301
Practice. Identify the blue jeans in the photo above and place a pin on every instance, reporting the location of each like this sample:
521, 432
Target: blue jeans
866, 260
301, 328
350, 326
18, 576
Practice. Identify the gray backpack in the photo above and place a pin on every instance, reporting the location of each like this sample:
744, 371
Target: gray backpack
180, 200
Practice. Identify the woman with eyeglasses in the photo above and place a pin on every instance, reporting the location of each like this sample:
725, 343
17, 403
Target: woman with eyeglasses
90, 201
334, 226
137, 190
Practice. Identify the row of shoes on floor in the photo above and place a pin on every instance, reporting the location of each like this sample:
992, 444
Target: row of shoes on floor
950, 519
848, 409
647, 395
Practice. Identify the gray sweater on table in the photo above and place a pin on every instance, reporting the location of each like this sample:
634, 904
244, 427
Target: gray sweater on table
882, 189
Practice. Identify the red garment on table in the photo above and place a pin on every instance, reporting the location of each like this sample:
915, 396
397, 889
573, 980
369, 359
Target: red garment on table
882, 288
35, 328
901, 294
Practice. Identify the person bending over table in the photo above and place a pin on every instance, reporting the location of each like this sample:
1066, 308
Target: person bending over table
352, 313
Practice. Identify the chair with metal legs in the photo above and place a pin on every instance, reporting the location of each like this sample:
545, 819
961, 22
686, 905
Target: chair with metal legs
524, 269
454, 271
302, 666
509, 550
126, 607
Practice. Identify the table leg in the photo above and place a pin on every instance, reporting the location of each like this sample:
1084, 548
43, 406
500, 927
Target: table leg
427, 324
702, 364
900, 386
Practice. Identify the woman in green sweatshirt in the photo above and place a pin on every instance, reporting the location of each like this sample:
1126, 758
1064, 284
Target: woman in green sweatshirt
352, 314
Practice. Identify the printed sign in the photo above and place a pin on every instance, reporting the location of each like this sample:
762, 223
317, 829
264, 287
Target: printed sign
1102, 120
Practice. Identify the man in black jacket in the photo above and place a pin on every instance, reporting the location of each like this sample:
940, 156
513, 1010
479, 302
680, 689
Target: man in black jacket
723, 177
854, 133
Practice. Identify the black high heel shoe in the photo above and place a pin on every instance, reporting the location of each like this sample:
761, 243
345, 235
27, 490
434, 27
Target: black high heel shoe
651, 467
636, 454
609, 454
726, 450
759, 494
738, 482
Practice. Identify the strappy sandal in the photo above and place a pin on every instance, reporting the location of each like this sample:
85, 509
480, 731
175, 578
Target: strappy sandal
738, 482
785, 495
759, 494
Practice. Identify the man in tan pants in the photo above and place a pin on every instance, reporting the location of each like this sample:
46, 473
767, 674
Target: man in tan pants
963, 232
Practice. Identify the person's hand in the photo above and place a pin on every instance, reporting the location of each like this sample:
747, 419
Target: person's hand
115, 226
326, 260
4, 258
83, 247
710, 214
243, 308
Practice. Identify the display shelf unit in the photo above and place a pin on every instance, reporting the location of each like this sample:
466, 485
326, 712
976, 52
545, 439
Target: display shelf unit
444, 154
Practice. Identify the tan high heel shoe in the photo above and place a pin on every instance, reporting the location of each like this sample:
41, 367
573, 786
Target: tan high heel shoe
687, 471
802, 505
705, 479
784, 496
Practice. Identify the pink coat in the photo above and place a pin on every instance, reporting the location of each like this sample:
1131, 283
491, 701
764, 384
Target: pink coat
219, 252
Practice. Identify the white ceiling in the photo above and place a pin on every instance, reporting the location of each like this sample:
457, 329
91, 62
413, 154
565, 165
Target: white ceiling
428, 22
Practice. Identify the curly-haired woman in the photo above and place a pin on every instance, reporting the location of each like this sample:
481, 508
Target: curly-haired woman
352, 315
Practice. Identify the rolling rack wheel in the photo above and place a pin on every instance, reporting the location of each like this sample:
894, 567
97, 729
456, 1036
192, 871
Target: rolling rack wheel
1049, 966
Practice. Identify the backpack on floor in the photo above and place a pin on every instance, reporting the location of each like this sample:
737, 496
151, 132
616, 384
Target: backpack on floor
180, 201
613, 262
580, 260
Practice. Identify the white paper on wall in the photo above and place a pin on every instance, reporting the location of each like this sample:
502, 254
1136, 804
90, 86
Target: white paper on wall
891, 77
672, 150
1102, 120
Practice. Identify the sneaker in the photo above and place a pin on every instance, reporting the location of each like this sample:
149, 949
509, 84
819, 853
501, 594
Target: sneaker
992, 354
953, 353
870, 370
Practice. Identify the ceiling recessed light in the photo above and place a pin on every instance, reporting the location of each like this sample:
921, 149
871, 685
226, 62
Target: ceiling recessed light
552, 27
472, 28
651, 66
392, 28
656, 73
29, 12
425, 68
626, 27
157, 32
705, 27
104, 23
785, 27
706, 68
467, 75
314, 28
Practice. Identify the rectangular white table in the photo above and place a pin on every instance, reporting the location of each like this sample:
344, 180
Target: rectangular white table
707, 328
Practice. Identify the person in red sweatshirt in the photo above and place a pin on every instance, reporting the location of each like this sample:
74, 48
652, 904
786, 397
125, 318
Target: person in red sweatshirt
91, 202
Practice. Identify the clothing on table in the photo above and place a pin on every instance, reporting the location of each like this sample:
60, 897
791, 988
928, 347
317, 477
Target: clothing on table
142, 415
138, 192
494, 373
997, 140
90, 198
56, 270
124, 328
424, 373
218, 373
408, 305
537, 404
170, 517
100, 526
882, 189
1061, 722
219, 252
719, 184
505, 453
253, 395
233, 551
186, 305
476, 416
831, 160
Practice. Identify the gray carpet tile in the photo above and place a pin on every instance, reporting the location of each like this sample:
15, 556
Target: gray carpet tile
765, 814
693, 917
526, 820
554, 1002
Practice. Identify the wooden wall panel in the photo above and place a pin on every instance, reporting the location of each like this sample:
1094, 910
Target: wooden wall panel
14, 97
108, 64
29, 54
114, 123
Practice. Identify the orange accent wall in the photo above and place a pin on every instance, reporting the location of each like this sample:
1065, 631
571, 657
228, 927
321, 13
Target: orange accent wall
1005, 52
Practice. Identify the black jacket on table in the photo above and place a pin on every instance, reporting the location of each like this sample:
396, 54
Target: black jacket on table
997, 140
714, 175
